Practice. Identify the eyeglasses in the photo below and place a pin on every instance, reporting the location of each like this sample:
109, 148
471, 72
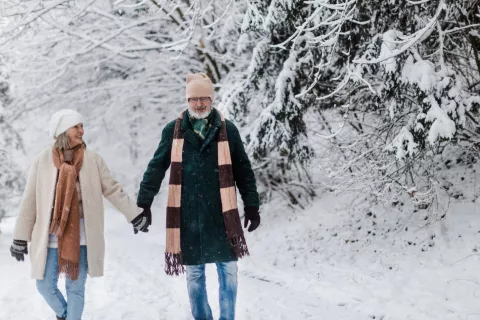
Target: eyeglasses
201, 99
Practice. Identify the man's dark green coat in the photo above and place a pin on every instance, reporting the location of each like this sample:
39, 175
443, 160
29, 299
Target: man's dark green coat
202, 229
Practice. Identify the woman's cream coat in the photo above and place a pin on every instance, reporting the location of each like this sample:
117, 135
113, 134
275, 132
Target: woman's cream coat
96, 182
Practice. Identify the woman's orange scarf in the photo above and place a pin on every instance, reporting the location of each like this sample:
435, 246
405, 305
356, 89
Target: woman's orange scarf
66, 213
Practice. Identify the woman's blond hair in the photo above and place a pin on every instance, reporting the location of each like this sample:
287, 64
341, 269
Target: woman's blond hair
62, 142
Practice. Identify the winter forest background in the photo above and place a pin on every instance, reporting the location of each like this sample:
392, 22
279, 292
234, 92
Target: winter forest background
366, 109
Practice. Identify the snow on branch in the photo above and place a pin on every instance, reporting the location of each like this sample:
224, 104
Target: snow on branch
417, 2
461, 28
31, 19
414, 39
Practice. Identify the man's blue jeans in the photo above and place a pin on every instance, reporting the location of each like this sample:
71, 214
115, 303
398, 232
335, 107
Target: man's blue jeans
75, 289
197, 290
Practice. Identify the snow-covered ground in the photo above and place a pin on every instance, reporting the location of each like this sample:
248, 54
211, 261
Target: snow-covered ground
324, 263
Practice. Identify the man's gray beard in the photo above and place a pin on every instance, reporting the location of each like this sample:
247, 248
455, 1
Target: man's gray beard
199, 115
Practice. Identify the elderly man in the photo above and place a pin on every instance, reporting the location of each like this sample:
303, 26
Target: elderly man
207, 160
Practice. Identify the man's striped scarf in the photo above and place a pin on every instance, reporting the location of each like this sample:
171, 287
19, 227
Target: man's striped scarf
233, 226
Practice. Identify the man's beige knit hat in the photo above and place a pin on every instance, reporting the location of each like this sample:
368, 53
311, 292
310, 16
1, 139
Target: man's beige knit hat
199, 85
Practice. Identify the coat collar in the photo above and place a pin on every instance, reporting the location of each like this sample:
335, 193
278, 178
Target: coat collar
212, 133
193, 138
189, 134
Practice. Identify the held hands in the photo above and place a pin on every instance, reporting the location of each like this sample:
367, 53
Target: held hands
147, 212
19, 249
253, 215
142, 221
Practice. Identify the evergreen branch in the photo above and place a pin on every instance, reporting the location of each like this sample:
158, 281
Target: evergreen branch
413, 41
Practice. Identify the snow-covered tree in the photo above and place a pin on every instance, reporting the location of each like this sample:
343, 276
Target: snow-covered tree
11, 178
389, 84
414, 91
121, 64
293, 47
402, 78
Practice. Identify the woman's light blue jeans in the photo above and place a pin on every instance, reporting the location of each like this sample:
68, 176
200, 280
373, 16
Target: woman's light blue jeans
48, 287
197, 290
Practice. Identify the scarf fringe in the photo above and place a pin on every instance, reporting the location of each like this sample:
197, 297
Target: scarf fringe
69, 269
173, 264
239, 246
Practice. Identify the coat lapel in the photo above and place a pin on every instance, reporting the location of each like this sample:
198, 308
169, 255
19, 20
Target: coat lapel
84, 176
51, 176
189, 134
212, 133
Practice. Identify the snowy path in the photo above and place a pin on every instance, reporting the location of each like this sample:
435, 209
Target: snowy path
135, 286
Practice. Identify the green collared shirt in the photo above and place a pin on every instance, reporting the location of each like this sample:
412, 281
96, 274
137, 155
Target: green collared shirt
201, 126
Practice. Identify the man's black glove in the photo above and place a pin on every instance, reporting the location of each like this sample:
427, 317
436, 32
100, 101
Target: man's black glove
147, 212
19, 249
140, 223
253, 215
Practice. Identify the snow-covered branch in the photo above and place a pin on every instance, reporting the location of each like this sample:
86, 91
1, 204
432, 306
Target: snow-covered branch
413, 39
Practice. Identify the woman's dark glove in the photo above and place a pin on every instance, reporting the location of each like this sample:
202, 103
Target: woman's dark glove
19, 249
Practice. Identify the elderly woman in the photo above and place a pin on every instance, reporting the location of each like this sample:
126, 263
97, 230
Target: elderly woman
62, 217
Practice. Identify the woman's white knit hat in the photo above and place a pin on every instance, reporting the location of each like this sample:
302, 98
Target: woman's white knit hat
62, 120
